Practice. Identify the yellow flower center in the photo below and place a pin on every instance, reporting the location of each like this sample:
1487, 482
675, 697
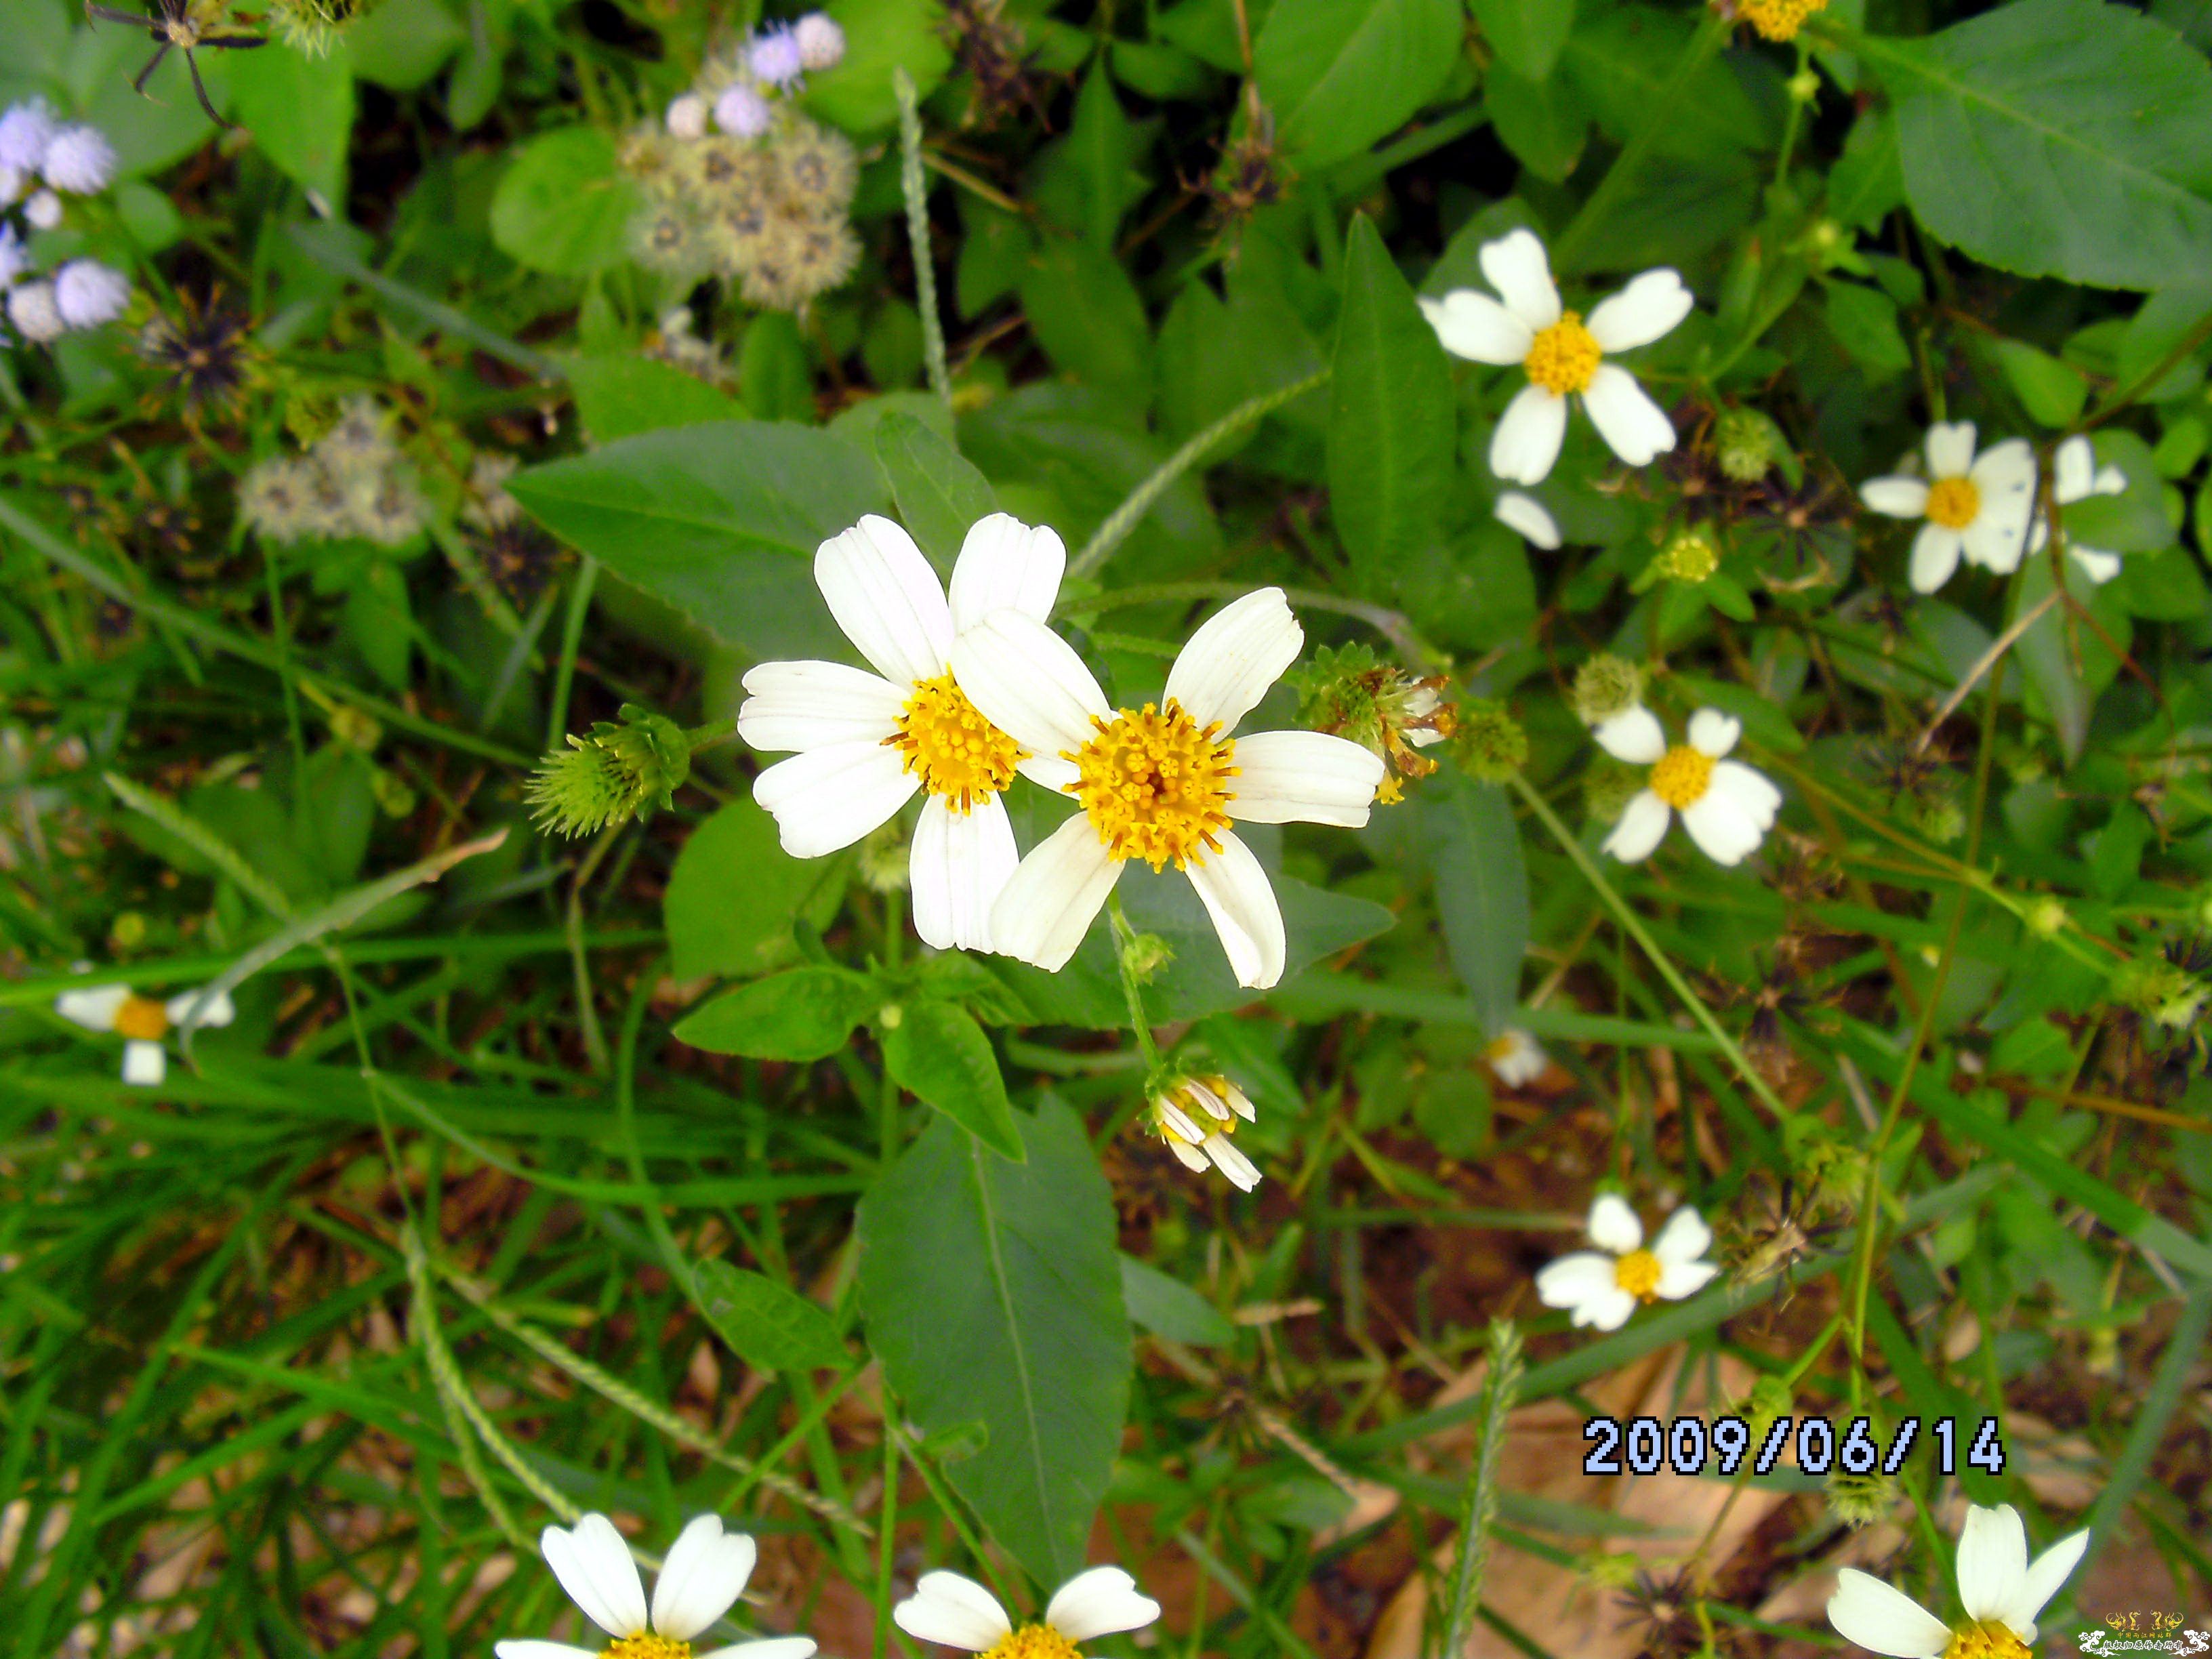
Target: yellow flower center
1779, 20
1954, 502
1154, 783
1033, 1642
646, 1647
957, 753
142, 1019
1637, 1272
1987, 1640
1563, 356
1682, 776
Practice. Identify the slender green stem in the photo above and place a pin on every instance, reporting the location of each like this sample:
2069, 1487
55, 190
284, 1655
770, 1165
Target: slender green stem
916, 192
1125, 938
572, 637
886, 1545
1500, 1386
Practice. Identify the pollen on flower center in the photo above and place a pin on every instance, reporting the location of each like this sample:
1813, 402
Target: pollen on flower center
142, 1019
1154, 783
1682, 776
1033, 1642
1954, 502
1779, 20
957, 753
1637, 1272
1987, 1640
646, 1647
1563, 356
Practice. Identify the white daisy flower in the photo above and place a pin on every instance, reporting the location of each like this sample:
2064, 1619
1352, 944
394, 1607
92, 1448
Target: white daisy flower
866, 742
2075, 477
1517, 1058
1196, 1116
959, 1612
774, 56
742, 113
1563, 356
79, 159
31, 307
1727, 806
687, 117
821, 42
87, 292
1163, 783
2000, 1589
26, 130
704, 1575
42, 211
1529, 518
1974, 506
140, 1022
1603, 1289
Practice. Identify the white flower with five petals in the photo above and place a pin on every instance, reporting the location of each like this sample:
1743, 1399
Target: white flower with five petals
1517, 1058
1161, 783
2075, 477
1727, 806
1563, 356
1602, 1286
2001, 1590
959, 1612
140, 1022
866, 742
1975, 506
701, 1579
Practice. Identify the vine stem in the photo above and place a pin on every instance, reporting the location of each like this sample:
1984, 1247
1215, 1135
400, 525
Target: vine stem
1125, 938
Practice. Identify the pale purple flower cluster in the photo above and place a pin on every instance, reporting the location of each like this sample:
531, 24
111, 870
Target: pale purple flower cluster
43, 159
735, 92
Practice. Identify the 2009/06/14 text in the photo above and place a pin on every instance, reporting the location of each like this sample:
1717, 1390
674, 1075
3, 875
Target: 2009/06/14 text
1686, 1445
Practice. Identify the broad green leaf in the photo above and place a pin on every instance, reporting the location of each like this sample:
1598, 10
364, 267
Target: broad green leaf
1527, 34
401, 43
619, 397
774, 375
1341, 74
165, 125
803, 1013
719, 522
734, 893
1474, 849
992, 1292
1087, 316
1393, 432
1088, 181
1621, 61
564, 205
2057, 138
940, 493
880, 35
768, 1325
2052, 393
299, 108
1167, 1307
936, 1053
1543, 122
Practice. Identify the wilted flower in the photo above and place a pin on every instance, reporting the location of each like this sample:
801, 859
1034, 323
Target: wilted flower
1391, 714
1196, 1116
205, 351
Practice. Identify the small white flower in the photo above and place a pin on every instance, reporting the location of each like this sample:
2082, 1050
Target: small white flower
1563, 356
2000, 1589
31, 307
15, 259
959, 1612
79, 159
1517, 1058
865, 743
1163, 783
1603, 1289
140, 1022
821, 42
87, 292
2075, 477
42, 211
1529, 518
25, 131
1976, 506
687, 117
1727, 807
1196, 1116
742, 113
774, 55
704, 1575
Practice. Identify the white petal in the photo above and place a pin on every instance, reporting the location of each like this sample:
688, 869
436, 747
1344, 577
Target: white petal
1517, 1058
1029, 682
1303, 777
1633, 735
826, 798
1053, 896
961, 862
93, 1009
1574, 1280
1470, 324
1049, 772
1608, 1312
1173, 1116
2098, 565
1721, 828
2004, 468
1992, 1561
1613, 1225
1188, 1155
1679, 1280
1237, 653
1866, 1611
594, 1566
703, 1575
1755, 796
955, 1611
1633, 427
219, 1013
515, 1648
144, 1063
1898, 497
1998, 536
1006, 564
807, 705
2074, 471
1935, 552
1527, 515
768, 1647
1642, 826
2049, 1570
1237, 895
1517, 269
1712, 732
1648, 307
1528, 435
1684, 1238
1950, 448
1242, 1174
885, 597
1098, 1603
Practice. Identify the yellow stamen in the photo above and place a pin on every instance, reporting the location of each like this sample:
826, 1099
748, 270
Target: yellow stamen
1637, 1272
1563, 356
1033, 1642
646, 1647
1154, 783
142, 1019
957, 754
1682, 776
1987, 1640
1955, 503
1779, 20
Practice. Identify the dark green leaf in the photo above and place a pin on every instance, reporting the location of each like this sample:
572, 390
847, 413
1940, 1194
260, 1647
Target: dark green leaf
880, 35
734, 893
299, 109
1339, 73
621, 397
1473, 849
938, 1054
1087, 315
940, 493
564, 205
768, 1325
1527, 34
804, 1013
1167, 1307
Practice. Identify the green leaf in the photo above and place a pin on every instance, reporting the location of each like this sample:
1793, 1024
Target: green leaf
619, 397
564, 204
993, 1292
2057, 138
1341, 74
804, 1013
940, 493
769, 1326
719, 522
1167, 1307
1527, 34
299, 109
163, 126
1393, 432
880, 35
1087, 316
938, 1054
1543, 122
773, 374
734, 893
2052, 393
1474, 848
1088, 181
401, 43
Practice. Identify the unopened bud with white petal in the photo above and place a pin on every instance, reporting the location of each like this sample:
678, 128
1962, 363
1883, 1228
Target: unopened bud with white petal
1196, 1116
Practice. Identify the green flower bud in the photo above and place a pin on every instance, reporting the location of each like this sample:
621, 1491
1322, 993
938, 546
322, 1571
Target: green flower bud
1605, 685
128, 931
1145, 955
1860, 1500
884, 863
1747, 443
1611, 1569
2046, 918
620, 771
1608, 787
1690, 558
394, 797
2163, 993
1490, 744
1769, 1400
355, 729
1938, 817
